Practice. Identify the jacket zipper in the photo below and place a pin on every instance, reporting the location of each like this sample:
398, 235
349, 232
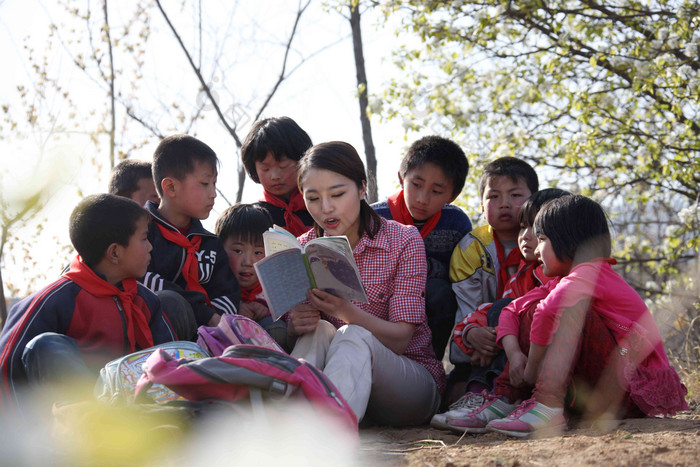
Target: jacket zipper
126, 331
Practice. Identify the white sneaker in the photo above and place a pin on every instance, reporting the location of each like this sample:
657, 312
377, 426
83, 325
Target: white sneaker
464, 404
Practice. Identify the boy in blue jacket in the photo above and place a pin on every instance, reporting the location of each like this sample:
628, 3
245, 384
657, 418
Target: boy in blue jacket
188, 260
432, 175
95, 312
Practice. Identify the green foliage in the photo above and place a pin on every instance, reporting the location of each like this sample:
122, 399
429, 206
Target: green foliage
603, 97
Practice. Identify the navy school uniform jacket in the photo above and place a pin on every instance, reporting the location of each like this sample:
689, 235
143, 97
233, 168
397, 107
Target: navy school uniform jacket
96, 323
215, 275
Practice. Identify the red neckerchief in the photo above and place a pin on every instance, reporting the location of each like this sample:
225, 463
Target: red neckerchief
137, 330
513, 259
400, 213
250, 294
190, 270
294, 224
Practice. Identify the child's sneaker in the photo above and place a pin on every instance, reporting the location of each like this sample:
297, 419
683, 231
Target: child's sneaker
466, 403
476, 420
530, 417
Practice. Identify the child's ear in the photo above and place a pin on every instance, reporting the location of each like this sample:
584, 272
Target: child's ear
363, 190
400, 179
112, 254
168, 186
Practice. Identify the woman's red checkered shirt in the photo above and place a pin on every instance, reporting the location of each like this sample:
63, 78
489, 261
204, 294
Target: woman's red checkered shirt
393, 270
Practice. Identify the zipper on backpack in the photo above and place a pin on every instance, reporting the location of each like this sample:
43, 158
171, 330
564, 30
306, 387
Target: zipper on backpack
322, 377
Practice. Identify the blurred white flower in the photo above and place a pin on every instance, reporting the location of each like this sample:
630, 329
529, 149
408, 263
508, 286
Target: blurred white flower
689, 215
580, 138
691, 49
662, 34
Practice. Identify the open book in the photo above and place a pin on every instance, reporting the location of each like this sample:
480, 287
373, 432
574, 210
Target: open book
289, 270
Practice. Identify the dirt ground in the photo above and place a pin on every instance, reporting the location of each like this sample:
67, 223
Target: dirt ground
649, 441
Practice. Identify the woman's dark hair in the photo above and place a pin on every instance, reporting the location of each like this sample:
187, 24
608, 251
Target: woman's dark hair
280, 136
246, 222
530, 208
576, 226
100, 220
341, 158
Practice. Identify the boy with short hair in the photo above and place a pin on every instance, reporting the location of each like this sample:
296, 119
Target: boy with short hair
240, 228
270, 154
187, 259
96, 311
432, 175
133, 179
488, 256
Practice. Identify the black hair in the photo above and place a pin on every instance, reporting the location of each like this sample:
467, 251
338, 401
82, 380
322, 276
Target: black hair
246, 222
176, 155
125, 176
280, 136
341, 158
442, 152
530, 208
100, 220
576, 226
510, 167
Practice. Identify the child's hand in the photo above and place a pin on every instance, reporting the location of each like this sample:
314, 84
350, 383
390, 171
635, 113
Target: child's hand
254, 310
517, 362
483, 340
479, 359
303, 318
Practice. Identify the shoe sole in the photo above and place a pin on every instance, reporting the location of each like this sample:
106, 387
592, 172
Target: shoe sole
466, 429
437, 424
539, 433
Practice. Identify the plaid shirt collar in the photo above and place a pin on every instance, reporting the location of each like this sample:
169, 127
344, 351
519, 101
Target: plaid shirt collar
378, 242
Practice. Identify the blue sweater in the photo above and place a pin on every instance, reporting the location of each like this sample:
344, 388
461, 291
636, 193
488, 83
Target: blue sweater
439, 244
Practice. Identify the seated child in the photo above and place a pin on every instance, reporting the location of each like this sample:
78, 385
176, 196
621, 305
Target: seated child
589, 333
432, 175
133, 179
478, 330
240, 228
485, 259
270, 154
95, 312
188, 261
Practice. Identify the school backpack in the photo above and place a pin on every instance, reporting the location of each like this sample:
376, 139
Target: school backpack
118, 378
248, 375
231, 330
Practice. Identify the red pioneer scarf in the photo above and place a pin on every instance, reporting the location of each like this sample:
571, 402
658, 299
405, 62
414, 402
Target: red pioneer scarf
250, 294
513, 259
296, 203
400, 213
137, 330
190, 270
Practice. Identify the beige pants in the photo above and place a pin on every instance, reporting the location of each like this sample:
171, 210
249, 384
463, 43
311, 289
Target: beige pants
391, 389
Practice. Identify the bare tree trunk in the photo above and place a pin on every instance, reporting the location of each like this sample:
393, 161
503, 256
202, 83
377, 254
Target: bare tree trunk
364, 102
113, 123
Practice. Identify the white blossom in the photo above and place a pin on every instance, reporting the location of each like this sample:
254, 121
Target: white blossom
580, 138
520, 133
691, 49
685, 70
662, 34
689, 215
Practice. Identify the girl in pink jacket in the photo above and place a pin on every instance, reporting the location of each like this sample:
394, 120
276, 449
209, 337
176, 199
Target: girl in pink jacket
586, 335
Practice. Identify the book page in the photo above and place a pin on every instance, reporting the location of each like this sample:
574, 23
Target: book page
277, 239
284, 280
334, 271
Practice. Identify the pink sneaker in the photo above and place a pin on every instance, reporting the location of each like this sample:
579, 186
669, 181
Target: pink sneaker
475, 421
528, 418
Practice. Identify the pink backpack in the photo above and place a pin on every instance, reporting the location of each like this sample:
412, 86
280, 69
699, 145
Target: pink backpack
250, 375
232, 330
